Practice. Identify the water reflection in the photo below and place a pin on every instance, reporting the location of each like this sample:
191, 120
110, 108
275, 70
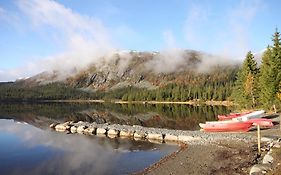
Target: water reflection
184, 117
25, 149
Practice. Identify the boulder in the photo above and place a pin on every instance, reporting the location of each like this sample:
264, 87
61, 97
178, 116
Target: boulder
154, 136
259, 169
169, 137
80, 129
101, 131
276, 145
90, 130
126, 133
73, 129
267, 159
53, 125
139, 135
60, 127
113, 132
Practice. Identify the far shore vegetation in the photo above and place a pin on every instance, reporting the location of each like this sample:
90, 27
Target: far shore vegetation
250, 86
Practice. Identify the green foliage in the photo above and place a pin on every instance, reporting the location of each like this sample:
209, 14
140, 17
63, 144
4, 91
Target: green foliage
246, 87
216, 85
52, 91
270, 73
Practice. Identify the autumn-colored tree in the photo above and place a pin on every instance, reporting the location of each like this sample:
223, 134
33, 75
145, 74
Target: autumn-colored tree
270, 73
245, 89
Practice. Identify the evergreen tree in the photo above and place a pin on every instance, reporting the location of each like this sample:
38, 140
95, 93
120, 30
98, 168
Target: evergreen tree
270, 74
245, 89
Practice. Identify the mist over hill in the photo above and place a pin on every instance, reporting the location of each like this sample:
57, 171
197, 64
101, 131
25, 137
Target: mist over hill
138, 69
171, 75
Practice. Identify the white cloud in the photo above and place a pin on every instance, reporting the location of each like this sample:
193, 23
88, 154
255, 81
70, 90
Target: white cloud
83, 39
169, 39
68, 24
230, 32
197, 16
236, 41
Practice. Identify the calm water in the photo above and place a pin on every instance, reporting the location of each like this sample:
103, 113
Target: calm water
185, 117
28, 146
25, 149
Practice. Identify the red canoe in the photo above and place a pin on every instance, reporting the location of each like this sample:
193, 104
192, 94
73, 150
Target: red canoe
226, 126
231, 116
263, 122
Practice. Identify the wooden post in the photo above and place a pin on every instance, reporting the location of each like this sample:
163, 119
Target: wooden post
259, 139
280, 121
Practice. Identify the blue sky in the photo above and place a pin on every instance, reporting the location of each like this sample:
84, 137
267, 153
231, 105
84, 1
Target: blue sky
38, 34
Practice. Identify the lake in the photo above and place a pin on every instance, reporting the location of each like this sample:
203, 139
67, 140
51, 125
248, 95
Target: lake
28, 146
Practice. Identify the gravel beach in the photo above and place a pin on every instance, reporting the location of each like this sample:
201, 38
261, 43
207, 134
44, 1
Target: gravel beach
221, 157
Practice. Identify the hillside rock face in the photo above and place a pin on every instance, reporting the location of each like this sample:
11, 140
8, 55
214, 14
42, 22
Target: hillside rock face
140, 69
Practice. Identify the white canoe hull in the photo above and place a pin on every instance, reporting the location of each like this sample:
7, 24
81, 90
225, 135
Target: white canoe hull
253, 115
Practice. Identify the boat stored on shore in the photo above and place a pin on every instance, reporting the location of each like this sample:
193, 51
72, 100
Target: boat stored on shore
231, 116
225, 126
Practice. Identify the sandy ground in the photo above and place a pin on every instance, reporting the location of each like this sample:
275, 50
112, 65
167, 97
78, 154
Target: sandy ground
222, 158
219, 158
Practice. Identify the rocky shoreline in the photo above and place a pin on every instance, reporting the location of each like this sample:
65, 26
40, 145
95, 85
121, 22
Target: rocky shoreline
197, 141
137, 132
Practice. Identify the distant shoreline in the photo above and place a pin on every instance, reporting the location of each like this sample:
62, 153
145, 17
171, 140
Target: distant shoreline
211, 103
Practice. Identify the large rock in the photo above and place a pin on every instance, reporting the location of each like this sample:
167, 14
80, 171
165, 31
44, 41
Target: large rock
113, 132
73, 129
80, 129
259, 169
277, 145
139, 135
60, 127
101, 131
126, 133
154, 136
169, 137
90, 130
53, 125
267, 159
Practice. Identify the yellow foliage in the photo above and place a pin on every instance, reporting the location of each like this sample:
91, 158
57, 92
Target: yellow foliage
279, 95
279, 92
249, 84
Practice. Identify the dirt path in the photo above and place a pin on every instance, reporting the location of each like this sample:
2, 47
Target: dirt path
222, 158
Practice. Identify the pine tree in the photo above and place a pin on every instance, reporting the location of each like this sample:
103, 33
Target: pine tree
245, 89
276, 54
279, 92
270, 73
266, 79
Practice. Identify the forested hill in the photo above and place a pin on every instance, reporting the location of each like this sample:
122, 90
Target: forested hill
130, 75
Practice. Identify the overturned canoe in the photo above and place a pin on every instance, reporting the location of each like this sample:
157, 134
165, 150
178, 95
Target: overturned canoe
231, 116
263, 122
252, 115
226, 126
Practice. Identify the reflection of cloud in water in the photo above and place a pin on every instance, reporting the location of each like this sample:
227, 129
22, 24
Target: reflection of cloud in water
74, 154
83, 155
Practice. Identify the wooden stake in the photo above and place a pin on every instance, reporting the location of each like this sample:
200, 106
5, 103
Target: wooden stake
259, 139
280, 121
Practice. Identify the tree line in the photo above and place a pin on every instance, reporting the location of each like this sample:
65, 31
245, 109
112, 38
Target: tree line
260, 86
250, 86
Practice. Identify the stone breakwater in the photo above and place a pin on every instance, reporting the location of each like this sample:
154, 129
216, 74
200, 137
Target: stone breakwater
265, 164
155, 135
